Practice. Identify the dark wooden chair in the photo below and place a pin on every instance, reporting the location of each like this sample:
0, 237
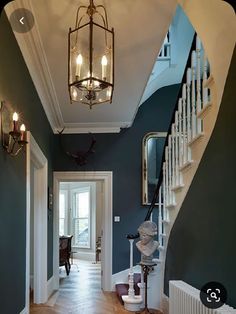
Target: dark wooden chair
64, 252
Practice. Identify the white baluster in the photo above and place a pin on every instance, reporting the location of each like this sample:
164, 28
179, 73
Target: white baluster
188, 111
180, 133
204, 89
170, 170
131, 272
168, 51
198, 73
167, 176
185, 131
173, 155
131, 301
160, 215
177, 182
162, 51
193, 98
165, 212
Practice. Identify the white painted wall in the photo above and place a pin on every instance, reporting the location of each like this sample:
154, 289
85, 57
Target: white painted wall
215, 23
181, 35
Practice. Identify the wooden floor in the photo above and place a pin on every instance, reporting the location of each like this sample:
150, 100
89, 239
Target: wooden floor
80, 292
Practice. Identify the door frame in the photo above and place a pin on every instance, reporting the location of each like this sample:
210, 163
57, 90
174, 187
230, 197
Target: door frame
34, 154
106, 254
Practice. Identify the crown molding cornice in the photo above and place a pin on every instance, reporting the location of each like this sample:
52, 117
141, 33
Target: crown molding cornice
33, 52
100, 127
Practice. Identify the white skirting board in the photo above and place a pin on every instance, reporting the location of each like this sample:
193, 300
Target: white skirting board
86, 256
165, 304
50, 287
24, 311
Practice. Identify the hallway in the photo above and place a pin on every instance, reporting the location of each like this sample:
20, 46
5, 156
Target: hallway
80, 292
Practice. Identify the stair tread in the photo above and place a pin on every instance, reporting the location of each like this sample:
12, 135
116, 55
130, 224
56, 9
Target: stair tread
203, 112
197, 136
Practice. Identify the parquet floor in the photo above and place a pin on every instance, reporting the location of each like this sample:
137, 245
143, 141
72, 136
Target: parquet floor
80, 293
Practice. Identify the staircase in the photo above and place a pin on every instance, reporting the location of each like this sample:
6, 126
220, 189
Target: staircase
192, 124
189, 133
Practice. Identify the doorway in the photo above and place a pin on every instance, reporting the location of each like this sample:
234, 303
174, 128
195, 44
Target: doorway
80, 209
105, 179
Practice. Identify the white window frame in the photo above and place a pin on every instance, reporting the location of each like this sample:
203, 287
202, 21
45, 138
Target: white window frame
65, 192
73, 200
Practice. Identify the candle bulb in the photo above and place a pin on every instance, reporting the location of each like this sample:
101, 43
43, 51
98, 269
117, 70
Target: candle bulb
15, 122
79, 61
23, 133
104, 67
75, 94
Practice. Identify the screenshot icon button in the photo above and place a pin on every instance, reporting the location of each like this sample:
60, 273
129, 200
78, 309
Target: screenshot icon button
213, 295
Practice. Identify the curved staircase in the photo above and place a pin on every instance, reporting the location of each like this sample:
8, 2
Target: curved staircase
192, 124
190, 131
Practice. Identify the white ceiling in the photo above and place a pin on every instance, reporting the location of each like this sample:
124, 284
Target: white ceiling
140, 27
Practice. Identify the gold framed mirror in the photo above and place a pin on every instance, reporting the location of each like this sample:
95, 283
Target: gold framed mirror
152, 150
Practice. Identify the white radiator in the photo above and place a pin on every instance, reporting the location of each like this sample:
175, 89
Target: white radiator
185, 299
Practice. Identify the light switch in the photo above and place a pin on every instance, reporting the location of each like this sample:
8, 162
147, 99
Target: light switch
116, 218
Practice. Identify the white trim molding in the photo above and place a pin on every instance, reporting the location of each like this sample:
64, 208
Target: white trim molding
50, 287
106, 254
36, 61
35, 155
98, 127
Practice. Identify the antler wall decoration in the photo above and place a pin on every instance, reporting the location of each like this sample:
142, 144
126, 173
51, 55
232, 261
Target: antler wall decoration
80, 157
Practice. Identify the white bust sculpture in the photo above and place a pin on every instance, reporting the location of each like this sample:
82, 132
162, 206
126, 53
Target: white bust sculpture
147, 246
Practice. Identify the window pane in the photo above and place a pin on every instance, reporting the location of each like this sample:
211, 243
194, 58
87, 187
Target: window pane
81, 235
62, 206
61, 226
82, 205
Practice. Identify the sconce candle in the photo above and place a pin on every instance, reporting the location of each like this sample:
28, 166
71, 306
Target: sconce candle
15, 122
23, 132
13, 137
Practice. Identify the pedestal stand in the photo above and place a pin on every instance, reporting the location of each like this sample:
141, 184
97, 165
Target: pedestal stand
146, 268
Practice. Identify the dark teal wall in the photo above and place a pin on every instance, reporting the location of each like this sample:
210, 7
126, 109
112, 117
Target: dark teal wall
17, 88
121, 153
202, 242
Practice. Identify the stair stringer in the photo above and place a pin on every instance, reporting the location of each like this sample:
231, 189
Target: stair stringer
198, 146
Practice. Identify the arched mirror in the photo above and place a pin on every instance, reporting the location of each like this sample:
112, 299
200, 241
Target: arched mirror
152, 150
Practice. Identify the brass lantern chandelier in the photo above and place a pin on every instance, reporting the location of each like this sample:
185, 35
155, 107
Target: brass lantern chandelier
91, 57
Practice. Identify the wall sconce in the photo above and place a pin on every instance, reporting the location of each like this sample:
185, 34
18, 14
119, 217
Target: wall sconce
13, 137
